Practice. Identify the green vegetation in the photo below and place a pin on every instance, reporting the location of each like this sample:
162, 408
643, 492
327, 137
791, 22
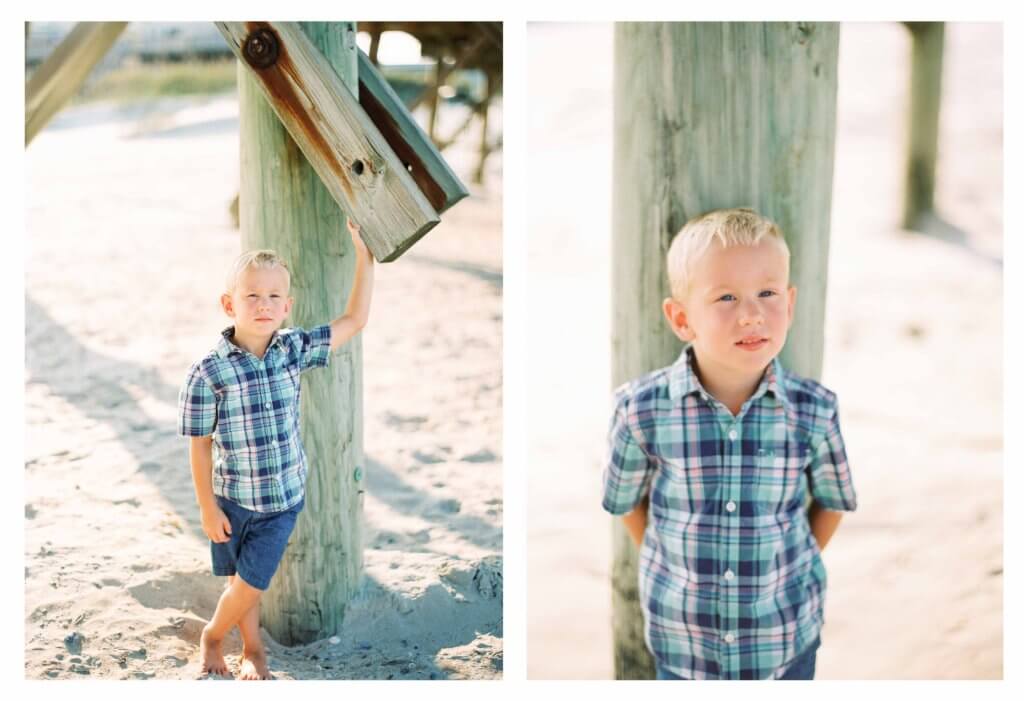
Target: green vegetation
139, 81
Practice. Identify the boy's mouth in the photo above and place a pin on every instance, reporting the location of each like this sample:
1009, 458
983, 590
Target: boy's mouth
752, 343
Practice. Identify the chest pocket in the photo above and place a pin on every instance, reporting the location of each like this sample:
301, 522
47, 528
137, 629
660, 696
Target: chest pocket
284, 385
779, 482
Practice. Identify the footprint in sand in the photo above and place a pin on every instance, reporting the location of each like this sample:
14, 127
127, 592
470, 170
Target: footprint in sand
482, 455
404, 423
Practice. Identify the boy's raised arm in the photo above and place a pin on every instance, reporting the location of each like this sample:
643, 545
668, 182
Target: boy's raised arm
357, 311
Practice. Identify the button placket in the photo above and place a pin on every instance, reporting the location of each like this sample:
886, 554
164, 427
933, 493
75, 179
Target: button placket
729, 550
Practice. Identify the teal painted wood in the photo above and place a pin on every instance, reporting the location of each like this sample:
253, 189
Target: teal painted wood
332, 130
711, 115
285, 206
427, 166
923, 120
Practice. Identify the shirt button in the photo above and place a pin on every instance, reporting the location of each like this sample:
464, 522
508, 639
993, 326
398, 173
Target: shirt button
730, 506
729, 575
732, 435
273, 443
729, 637
269, 405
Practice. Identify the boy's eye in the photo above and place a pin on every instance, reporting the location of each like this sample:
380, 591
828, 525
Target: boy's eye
274, 296
727, 298
767, 293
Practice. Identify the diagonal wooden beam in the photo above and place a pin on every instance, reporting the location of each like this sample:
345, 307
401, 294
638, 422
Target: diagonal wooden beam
341, 143
64, 71
422, 159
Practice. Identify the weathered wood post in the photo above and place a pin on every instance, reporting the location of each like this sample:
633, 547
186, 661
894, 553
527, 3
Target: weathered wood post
923, 120
711, 115
286, 207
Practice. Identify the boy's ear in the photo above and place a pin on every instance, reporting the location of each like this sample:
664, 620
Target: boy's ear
790, 304
288, 306
676, 316
226, 305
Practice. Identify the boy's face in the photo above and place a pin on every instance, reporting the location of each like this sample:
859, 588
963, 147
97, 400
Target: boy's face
738, 308
259, 304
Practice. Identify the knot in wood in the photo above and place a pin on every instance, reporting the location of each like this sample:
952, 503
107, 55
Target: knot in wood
261, 48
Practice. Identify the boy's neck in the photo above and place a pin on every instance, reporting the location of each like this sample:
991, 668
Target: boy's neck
728, 387
257, 345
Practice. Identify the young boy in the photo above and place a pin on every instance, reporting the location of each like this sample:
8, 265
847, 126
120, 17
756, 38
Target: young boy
240, 405
708, 460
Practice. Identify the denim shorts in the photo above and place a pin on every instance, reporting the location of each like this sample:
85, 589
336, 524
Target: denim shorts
257, 542
802, 666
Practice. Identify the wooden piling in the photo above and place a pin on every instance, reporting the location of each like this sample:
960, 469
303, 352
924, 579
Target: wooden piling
711, 115
285, 206
923, 120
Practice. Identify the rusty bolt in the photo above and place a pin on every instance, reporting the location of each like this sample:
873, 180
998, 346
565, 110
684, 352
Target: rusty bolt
261, 48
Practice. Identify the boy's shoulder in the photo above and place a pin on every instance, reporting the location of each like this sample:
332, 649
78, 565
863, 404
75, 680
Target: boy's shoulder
813, 406
648, 386
802, 390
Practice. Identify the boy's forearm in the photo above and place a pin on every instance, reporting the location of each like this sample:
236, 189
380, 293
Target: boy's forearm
636, 522
358, 306
823, 523
201, 457
357, 310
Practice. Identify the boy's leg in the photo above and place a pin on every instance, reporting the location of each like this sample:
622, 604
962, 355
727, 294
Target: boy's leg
254, 656
236, 600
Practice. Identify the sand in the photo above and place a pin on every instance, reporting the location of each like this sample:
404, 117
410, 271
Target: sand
913, 344
128, 238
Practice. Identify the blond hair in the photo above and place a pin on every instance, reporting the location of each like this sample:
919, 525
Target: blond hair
265, 258
740, 226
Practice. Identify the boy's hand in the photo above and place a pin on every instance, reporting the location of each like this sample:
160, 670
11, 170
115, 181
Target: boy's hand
216, 525
353, 229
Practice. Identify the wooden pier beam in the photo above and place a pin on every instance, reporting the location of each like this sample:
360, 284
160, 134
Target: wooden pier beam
64, 71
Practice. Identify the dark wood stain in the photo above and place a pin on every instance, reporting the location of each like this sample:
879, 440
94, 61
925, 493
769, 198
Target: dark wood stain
284, 99
391, 132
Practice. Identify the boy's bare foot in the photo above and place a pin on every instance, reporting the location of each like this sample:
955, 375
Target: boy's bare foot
254, 665
213, 660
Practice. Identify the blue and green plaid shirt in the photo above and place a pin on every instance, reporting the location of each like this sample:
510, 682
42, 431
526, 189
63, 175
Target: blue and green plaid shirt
731, 579
251, 407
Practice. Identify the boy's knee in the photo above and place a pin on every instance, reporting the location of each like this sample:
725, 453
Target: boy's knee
244, 588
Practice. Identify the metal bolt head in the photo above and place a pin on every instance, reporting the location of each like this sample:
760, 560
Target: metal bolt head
261, 48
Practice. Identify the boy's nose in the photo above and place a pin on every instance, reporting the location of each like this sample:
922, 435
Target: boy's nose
751, 316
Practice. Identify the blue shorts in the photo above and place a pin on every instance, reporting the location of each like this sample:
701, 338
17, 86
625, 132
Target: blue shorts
802, 666
257, 542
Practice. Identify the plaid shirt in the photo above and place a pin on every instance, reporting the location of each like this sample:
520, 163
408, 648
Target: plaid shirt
730, 576
251, 407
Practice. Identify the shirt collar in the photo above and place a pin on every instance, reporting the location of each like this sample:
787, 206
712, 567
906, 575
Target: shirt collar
226, 348
683, 379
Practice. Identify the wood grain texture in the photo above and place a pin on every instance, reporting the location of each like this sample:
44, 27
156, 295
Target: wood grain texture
358, 167
923, 120
711, 115
427, 167
63, 72
285, 206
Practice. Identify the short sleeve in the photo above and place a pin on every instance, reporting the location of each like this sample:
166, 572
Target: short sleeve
628, 470
197, 405
829, 473
313, 347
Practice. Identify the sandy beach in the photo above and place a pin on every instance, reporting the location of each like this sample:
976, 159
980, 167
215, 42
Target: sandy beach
913, 343
128, 239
